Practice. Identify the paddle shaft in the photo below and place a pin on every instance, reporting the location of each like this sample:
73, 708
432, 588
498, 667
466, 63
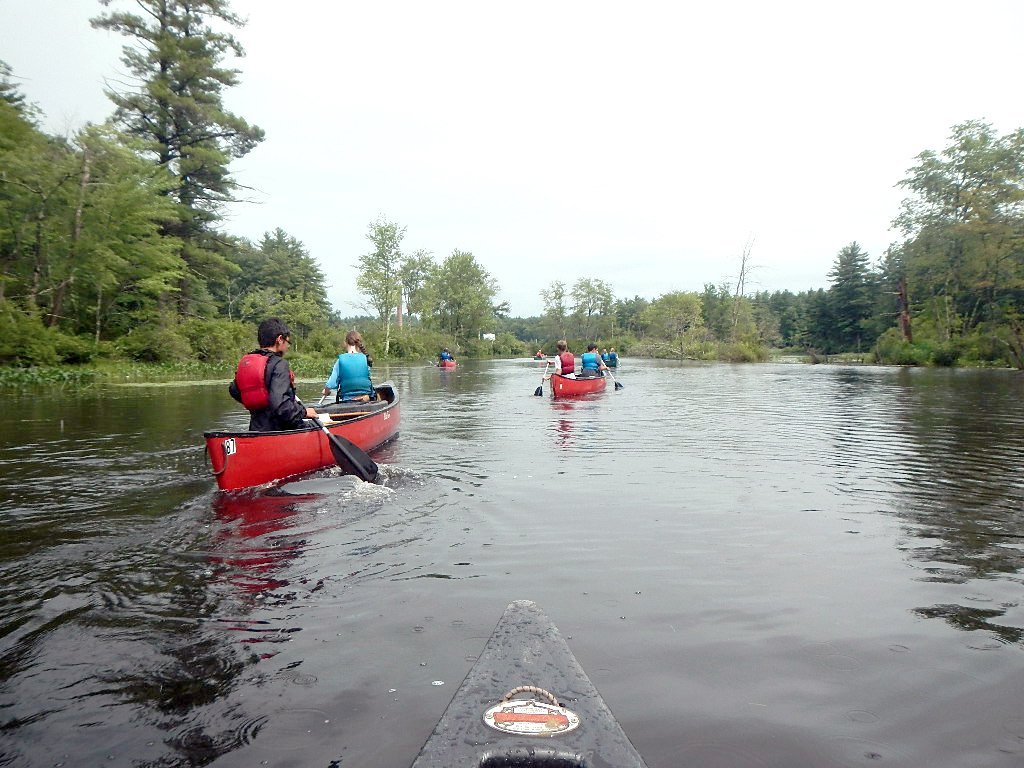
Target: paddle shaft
540, 390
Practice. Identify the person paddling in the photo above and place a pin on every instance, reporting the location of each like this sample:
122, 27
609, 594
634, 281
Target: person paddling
351, 372
445, 356
265, 384
592, 364
565, 361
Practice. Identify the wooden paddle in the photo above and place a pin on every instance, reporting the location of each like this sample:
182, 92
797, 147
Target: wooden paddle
540, 390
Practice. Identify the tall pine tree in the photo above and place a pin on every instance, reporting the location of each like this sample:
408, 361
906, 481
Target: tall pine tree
178, 111
851, 297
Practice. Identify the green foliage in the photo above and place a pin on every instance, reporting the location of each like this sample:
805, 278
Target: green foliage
325, 340
74, 349
154, 343
24, 340
675, 315
414, 343
379, 277
964, 223
279, 269
592, 308
742, 352
179, 110
41, 376
851, 297
459, 297
892, 349
504, 345
178, 114
414, 273
218, 341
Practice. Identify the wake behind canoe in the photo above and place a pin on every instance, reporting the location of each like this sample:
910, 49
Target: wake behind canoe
502, 715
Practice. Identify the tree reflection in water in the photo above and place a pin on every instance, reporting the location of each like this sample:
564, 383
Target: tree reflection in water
964, 491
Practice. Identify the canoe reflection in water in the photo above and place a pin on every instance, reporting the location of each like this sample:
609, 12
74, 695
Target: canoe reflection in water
564, 423
253, 544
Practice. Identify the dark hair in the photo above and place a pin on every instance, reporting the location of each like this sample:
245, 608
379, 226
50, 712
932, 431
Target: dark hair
591, 347
355, 339
270, 329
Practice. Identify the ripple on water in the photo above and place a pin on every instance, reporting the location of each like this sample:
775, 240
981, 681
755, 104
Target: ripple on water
294, 729
201, 744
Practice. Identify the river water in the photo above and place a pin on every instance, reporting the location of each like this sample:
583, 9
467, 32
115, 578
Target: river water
757, 565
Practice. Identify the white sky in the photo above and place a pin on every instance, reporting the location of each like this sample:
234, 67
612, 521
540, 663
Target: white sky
642, 143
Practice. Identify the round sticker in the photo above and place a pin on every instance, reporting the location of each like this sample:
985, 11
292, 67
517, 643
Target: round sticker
530, 718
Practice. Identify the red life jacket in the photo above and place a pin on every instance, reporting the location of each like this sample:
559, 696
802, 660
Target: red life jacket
568, 362
252, 379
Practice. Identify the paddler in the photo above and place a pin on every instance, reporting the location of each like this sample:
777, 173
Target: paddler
264, 382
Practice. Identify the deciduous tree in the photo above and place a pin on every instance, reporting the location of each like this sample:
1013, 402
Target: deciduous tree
380, 273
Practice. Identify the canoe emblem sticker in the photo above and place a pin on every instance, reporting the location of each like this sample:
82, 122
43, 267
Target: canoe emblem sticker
229, 447
530, 718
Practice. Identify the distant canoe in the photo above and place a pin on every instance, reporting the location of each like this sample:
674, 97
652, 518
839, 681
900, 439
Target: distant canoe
570, 386
502, 715
446, 364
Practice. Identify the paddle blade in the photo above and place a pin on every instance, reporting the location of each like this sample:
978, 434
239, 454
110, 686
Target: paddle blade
350, 457
617, 385
539, 391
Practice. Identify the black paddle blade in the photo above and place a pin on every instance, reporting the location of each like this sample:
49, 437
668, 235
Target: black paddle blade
539, 391
353, 459
617, 385
350, 457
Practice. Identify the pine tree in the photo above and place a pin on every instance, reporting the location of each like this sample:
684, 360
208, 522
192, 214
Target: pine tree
178, 112
851, 297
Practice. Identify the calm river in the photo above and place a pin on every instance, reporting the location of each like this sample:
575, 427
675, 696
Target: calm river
758, 566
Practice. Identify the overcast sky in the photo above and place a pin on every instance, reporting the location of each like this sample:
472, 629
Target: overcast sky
642, 143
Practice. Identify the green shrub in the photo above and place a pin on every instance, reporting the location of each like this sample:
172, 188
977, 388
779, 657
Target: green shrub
24, 340
74, 349
218, 341
325, 341
892, 349
742, 352
154, 344
945, 353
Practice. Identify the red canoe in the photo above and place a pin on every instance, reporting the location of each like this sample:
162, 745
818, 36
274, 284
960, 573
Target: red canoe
446, 364
245, 459
570, 386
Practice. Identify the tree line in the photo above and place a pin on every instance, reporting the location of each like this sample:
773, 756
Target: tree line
112, 246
